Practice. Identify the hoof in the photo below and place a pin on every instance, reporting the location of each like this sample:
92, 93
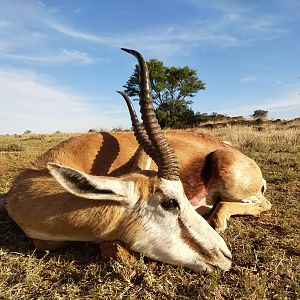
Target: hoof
217, 224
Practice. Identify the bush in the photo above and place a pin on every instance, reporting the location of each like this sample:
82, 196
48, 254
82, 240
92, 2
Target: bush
259, 114
175, 114
11, 148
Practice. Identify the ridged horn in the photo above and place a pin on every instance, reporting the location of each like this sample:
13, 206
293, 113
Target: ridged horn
138, 129
168, 167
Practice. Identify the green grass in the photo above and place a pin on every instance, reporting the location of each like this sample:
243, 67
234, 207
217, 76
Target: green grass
266, 254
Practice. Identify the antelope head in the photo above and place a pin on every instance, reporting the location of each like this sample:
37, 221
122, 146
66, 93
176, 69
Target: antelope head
155, 217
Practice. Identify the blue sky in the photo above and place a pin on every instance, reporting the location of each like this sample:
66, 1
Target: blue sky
61, 63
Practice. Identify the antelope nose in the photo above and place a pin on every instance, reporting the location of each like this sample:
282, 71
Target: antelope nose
226, 265
226, 252
224, 258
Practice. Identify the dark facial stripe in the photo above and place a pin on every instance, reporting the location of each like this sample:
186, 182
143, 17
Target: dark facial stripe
194, 245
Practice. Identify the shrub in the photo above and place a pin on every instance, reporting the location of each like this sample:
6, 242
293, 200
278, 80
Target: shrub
11, 148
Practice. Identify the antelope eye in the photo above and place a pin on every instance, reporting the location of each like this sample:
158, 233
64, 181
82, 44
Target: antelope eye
263, 189
169, 204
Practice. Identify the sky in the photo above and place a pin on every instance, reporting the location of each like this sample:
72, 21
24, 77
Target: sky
61, 63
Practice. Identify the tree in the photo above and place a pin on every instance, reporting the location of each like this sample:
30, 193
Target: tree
172, 90
175, 114
168, 83
259, 113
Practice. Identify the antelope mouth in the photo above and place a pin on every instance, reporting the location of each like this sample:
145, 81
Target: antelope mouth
214, 258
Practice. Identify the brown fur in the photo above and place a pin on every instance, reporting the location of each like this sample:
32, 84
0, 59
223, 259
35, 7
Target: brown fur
60, 213
65, 215
116, 250
225, 210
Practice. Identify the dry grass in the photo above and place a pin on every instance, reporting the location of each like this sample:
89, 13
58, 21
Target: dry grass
260, 138
266, 263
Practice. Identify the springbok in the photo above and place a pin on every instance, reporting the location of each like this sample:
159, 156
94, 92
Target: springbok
218, 180
77, 192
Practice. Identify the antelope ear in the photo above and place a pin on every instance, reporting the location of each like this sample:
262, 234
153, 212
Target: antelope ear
93, 187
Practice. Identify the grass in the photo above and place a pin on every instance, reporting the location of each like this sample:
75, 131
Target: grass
266, 262
11, 148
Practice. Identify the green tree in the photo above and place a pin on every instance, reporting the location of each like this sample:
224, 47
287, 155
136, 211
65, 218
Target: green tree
168, 83
175, 114
259, 113
172, 90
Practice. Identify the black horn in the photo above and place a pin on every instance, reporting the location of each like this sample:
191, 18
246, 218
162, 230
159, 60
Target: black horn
138, 129
168, 167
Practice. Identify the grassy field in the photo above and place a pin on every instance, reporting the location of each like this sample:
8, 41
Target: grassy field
266, 253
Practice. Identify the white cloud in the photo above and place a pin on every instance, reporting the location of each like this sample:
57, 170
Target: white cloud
289, 102
36, 35
231, 25
246, 21
64, 56
70, 55
77, 34
29, 101
233, 28
161, 40
41, 3
248, 79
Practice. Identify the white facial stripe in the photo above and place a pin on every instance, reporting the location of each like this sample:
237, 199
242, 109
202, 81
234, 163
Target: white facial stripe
189, 239
179, 237
161, 241
202, 232
174, 190
199, 229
